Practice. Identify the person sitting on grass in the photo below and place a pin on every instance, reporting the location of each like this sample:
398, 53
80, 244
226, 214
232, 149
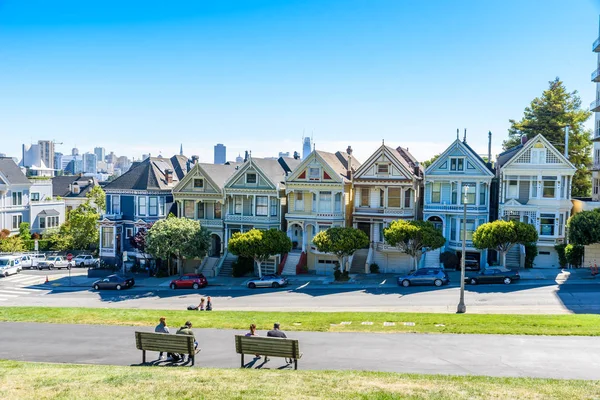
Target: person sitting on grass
201, 305
208, 304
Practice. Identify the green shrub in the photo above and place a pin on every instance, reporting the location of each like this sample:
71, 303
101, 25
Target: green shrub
531, 252
242, 266
449, 259
574, 254
339, 275
374, 268
562, 258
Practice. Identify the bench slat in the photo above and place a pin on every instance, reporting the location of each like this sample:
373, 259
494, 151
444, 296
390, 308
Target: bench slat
275, 347
164, 342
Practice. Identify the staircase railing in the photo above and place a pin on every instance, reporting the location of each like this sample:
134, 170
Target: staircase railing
218, 266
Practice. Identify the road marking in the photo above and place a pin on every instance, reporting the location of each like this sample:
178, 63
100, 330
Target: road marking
384, 281
303, 286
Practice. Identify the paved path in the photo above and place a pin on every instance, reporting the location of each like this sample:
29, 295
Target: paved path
492, 355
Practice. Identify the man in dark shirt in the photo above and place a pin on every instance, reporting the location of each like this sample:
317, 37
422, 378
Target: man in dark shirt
187, 330
275, 332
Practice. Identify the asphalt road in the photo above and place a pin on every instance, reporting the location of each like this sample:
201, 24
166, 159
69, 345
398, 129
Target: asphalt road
491, 355
531, 297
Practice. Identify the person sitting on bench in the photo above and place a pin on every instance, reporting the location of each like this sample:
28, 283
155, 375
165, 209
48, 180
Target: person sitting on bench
275, 332
187, 330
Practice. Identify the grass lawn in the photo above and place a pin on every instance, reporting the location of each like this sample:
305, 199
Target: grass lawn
585, 325
20, 380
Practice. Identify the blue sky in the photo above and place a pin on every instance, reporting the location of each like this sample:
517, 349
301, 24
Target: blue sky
145, 76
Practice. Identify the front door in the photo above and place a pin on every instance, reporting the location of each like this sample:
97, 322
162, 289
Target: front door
366, 228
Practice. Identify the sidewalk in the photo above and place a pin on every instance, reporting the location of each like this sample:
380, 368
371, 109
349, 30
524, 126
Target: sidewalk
489, 355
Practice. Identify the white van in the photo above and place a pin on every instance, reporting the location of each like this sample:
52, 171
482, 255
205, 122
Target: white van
10, 265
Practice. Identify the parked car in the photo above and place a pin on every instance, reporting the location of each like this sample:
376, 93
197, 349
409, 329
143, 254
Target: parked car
10, 265
85, 260
273, 281
26, 261
189, 281
471, 263
57, 262
425, 276
113, 282
493, 275
36, 259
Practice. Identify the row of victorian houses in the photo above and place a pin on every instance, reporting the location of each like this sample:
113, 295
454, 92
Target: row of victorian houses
530, 183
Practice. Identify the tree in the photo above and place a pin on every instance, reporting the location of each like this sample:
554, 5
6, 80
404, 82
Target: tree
427, 163
413, 237
548, 115
80, 231
12, 244
342, 242
24, 231
584, 227
98, 197
139, 240
259, 245
57, 240
503, 235
177, 237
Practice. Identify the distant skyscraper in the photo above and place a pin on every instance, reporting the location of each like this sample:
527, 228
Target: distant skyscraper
31, 156
90, 163
220, 154
74, 167
47, 152
239, 159
282, 154
58, 161
100, 153
75, 151
306, 147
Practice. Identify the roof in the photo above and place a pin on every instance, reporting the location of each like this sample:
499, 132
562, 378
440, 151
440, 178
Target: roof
339, 162
219, 173
488, 164
406, 159
49, 213
61, 185
276, 169
150, 174
505, 156
12, 172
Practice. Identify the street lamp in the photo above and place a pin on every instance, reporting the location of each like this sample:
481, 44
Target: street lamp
462, 308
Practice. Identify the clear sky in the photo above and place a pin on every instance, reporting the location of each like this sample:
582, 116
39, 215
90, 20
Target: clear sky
144, 76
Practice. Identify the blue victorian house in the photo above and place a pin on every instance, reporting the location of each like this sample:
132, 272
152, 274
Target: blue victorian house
136, 199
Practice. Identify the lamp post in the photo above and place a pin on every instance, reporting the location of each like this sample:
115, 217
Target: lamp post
462, 308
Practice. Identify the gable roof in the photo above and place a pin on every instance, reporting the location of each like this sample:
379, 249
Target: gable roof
404, 160
462, 144
275, 170
513, 153
61, 185
338, 162
150, 174
216, 174
11, 171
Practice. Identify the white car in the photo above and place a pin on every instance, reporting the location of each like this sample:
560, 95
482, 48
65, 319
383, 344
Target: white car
85, 260
272, 281
10, 265
58, 262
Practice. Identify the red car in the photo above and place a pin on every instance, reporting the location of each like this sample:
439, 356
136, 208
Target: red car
189, 281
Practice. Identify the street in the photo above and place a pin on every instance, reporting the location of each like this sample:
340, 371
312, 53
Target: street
532, 297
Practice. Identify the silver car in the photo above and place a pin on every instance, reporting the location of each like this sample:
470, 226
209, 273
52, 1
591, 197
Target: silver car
425, 276
273, 281
55, 262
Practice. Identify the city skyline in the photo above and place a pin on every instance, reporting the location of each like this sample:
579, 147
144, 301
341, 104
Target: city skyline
399, 72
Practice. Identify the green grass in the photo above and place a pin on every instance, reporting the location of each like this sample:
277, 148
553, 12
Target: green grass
20, 380
584, 324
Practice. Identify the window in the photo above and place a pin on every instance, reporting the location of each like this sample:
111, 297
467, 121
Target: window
42, 222
383, 169
482, 196
338, 202
299, 201
457, 164
324, 201
198, 183
407, 197
452, 228
141, 205
381, 198
538, 156
562, 186
200, 210
50, 222
108, 240
35, 196
250, 178
560, 224
512, 190
238, 204
274, 206
188, 208
470, 228
217, 210
262, 205
128, 233
314, 174
394, 197
364, 197
314, 202
471, 188
547, 224
16, 221
549, 189
17, 198
534, 191
153, 206
436, 192
161, 206
454, 190
116, 204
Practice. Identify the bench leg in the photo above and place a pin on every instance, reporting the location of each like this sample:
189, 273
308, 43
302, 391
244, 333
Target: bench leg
193, 359
295, 364
242, 366
144, 356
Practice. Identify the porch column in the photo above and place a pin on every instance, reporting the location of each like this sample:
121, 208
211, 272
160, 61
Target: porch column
385, 197
304, 237
253, 205
477, 193
318, 193
226, 237
196, 210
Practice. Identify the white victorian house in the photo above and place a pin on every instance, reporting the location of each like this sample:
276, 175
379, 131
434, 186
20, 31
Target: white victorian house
535, 188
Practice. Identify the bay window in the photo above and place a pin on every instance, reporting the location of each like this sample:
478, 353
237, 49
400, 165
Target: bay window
364, 197
547, 224
394, 197
338, 202
153, 206
200, 210
108, 240
188, 208
299, 201
217, 210
116, 204
407, 198
262, 205
238, 204
549, 189
274, 205
141, 205
436, 192
512, 189
324, 201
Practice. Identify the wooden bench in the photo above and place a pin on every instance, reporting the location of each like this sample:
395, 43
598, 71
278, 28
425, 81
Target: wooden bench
268, 346
164, 342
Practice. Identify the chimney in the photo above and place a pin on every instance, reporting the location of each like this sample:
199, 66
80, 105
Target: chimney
523, 139
416, 169
349, 171
195, 160
296, 155
349, 150
75, 188
489, 148
169, 176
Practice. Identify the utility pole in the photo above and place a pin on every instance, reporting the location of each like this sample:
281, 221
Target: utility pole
462, 308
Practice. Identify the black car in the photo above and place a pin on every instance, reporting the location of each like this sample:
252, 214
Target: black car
471, 264
113, 282
493, 275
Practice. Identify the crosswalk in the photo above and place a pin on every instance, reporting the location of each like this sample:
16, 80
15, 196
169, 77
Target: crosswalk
19, 285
